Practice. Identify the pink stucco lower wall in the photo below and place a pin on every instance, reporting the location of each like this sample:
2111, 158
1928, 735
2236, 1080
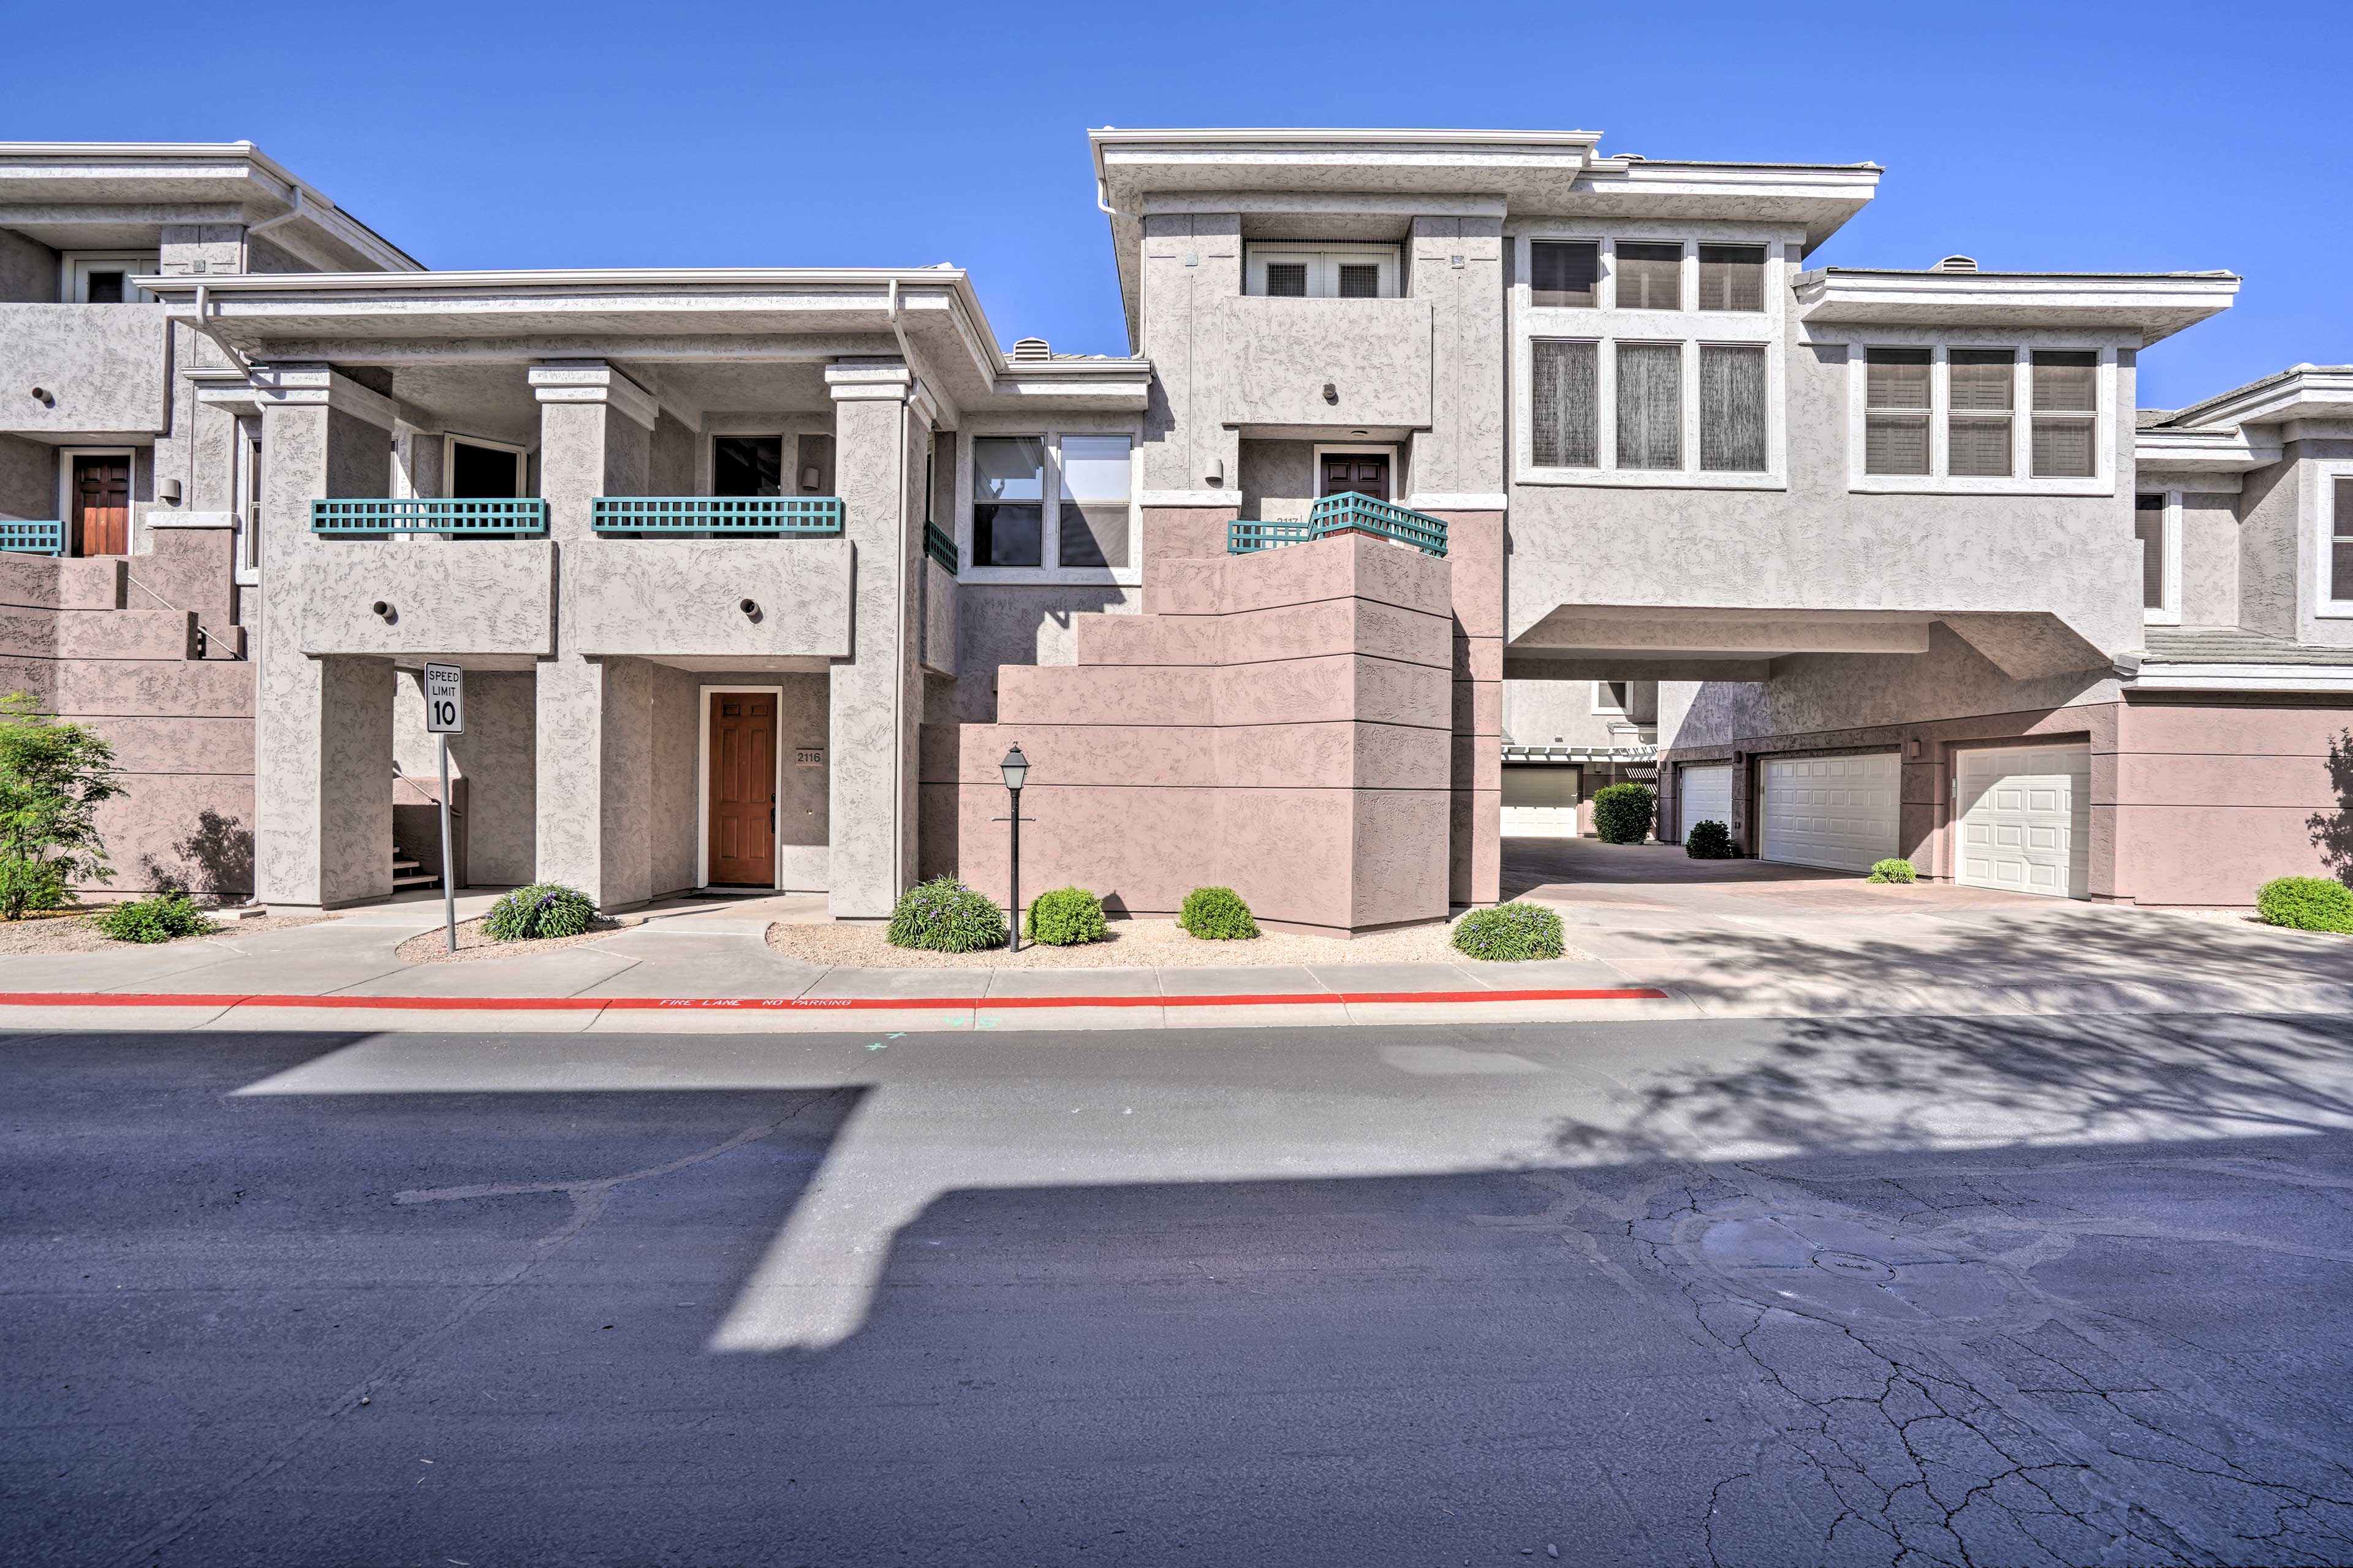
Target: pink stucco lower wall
2214, 798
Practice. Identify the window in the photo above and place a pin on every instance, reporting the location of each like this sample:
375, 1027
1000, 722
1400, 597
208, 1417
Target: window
2066, 406
1567, 402
248, 568
747, 466
1563, 275
1649, 405
1094, 500
1732, 408
1650, 277
2340, 538
1895, 422
1977, 416
1009, 493
1731, 277
1610, 696
1350, 272
2148, 527
93, 279
483, 469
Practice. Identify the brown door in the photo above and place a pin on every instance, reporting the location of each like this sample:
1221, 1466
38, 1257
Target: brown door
743, 788
1365, 473
101, 506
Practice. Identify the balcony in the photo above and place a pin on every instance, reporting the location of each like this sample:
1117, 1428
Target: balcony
521, 517
1350, 513
727, 516
33, 538
1324, 362
83, 370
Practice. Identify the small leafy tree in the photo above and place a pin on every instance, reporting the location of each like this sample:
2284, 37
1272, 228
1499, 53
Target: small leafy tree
53, 779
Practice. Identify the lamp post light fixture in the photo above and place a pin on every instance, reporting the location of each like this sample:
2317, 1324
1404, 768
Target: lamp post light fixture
1016, 768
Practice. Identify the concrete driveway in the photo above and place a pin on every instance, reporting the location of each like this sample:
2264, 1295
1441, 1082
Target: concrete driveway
1741, 937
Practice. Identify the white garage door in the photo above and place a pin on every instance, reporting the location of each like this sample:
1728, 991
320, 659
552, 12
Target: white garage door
1706, 789
1540, 801
1838, 813
2025, 816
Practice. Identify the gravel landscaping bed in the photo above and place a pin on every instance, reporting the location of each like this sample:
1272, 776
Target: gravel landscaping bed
1131, 943
70, 931
473, 946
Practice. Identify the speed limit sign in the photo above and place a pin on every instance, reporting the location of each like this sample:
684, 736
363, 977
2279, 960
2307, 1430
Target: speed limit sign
445, 699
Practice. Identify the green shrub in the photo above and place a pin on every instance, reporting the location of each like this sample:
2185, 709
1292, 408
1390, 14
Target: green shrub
1709, 841
1215, 914
1892, 871
2305, 903
53, 778
540, 911
1509, 933
1622, 813
160, 917
1065, 918
31, 885
943, 915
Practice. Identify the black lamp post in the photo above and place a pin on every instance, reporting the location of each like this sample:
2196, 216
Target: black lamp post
1016, 768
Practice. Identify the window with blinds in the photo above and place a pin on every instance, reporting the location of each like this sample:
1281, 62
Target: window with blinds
2066, 410
1650, 277
1563, 275
2148, 527
1314, 272
1895, 411
1981, 389
1731, 277
2340, 541
1287, 279
1360, 280
1649, 405
1564, 395
1732, 408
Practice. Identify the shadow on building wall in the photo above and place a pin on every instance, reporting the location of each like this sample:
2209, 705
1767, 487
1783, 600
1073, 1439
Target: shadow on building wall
2332, 831
215, 860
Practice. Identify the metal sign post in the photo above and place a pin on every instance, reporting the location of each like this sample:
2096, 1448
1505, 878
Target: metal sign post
444, 715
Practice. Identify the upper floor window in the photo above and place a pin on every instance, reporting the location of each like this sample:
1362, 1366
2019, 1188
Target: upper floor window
1650, 277
2066, 414
1896, 430
747, 466
1964, 417
2336, 500
1731, 277
95, 279
2149, 519
1089, 527
1564, 274
1328, 272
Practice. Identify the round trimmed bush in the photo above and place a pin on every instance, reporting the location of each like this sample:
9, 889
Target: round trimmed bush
1215, 914
540, 911
1508, 933
943, 915
1709, 841
161, 917
1892, 871
2305, 903
1065, 918
1622, 813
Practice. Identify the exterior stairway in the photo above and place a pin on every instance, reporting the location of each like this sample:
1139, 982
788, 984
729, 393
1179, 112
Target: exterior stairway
408, 873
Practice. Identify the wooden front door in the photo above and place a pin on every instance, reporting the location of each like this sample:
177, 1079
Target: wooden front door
1362, 473
101, 506
743, 788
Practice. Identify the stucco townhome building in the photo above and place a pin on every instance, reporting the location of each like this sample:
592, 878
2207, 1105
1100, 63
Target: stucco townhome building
1450, 475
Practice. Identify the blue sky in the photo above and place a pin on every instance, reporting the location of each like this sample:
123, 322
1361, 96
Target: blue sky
2149, 136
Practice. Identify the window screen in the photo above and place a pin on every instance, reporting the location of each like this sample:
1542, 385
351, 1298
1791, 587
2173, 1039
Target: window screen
1895, 411
1287, 279
1650, 277
2148, 527
2066, 398
1731, 277
1562, 274
1982, 384
1360, 280
1009, 491
1649, 405
1732, 409
1093, 510
1563, 394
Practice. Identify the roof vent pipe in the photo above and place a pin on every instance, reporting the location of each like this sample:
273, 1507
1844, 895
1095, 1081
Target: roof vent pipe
1958, 264
1031, 351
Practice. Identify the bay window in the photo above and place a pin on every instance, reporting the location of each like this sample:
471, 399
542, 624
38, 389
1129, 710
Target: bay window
1969, 416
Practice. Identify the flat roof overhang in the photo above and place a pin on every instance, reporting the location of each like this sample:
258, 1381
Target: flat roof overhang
2149, 306
1644, 642
2300, 391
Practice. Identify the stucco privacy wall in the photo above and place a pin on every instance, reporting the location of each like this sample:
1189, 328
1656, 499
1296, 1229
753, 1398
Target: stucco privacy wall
2216, 796
1457, 269
1274, 723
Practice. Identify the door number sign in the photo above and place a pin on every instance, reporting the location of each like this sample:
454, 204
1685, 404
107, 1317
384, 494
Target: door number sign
445, 699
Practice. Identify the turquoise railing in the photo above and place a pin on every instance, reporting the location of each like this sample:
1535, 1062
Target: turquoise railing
796, 515
505, 517
940, 546
34, 538
1349, 513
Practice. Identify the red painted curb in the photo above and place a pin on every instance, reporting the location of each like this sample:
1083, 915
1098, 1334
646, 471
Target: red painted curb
794, 1004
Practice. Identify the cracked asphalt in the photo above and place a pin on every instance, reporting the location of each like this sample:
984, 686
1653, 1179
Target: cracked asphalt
1890, 1291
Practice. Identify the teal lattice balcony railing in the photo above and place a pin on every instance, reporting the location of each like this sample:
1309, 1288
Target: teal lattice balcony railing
940, 546
1350, 513
34, 538
793, 515
514, 517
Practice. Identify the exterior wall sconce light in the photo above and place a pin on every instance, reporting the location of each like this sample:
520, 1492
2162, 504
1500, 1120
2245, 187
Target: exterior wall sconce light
170, 492
1217, 474
1330, 393
1015, 768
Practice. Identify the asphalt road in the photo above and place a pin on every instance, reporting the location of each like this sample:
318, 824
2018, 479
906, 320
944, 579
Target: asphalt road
1907, 1291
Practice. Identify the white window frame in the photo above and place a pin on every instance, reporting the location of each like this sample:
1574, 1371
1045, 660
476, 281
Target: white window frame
2167, 613
1050, 527
1322, 266
2325, 474
1603, 324
1939, 480
1602, 706
449, 441
74, 267
248, 456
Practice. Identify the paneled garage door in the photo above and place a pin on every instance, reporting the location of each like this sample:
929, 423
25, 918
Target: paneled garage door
2025, 818
1540, 800
1838, 813
1706, 789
